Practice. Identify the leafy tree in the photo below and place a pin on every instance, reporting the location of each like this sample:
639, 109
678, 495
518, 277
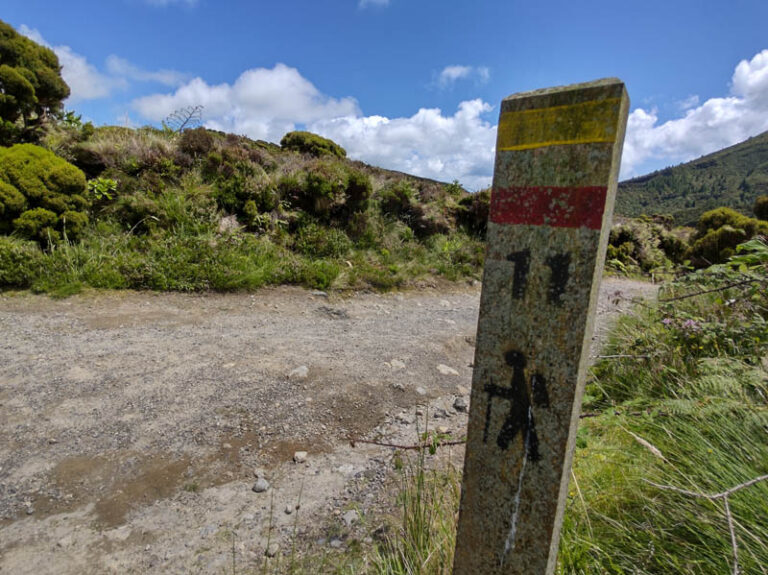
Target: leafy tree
31, 87
41, 195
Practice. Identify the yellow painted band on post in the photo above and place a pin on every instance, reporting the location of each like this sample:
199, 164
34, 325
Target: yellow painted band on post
583, 123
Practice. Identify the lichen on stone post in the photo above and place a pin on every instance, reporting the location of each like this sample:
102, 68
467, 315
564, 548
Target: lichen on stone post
557, 159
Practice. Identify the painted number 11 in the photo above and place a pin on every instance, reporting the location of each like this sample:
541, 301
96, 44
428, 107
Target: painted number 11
558, 278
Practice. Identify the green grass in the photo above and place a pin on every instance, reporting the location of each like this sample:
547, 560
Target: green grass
424, 541
195, 256
688, 409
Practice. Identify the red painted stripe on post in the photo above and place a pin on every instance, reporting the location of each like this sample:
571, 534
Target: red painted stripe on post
559, 207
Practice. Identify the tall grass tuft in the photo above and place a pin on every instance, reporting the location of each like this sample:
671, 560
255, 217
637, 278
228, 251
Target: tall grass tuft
425, 540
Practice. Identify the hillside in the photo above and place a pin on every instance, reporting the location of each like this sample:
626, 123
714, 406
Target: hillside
203, 210
733, 177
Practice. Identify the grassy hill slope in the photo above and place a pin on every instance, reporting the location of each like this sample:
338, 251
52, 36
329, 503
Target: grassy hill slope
733, 177
203, 210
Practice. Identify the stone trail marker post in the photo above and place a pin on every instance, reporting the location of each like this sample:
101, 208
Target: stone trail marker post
557, 160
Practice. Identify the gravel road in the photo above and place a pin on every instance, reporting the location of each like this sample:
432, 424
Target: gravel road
133, 426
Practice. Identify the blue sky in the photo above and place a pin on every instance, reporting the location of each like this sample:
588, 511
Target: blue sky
412, 85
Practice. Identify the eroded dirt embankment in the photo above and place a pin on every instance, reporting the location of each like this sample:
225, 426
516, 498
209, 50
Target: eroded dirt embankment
132, 424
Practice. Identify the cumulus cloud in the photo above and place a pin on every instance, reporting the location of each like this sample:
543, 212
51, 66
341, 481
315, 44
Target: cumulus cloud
86, 82
429, 143
122, 68
262, 103
450, 74
266, 103
704, 128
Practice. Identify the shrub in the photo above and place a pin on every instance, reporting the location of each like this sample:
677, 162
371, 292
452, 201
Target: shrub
473, 212
718, 232
131, 151
358, 191
312, 144
48, 186
320, 192
11, 202
19, 262
197, 142
398, 199
318, 241
760, 209
643, 244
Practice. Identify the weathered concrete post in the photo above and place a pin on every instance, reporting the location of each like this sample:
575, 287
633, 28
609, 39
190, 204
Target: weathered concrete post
557, 161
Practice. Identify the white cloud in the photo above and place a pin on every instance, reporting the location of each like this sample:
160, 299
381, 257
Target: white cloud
365, 3
262, 103
450, 74
266, 103
704, 128
427, 144
689, 102
123, 68
84, 80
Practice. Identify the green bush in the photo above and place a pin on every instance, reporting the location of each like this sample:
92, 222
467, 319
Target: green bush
320, 191
398, 200
19, 262
760, 209
318, 241
473, 212
358, 191
312, 144
36, 189
642, 245
718, 232
197, 142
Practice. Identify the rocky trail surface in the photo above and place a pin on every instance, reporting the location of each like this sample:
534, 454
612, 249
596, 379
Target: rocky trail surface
173, 433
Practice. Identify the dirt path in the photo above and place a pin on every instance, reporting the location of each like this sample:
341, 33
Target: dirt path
132, 424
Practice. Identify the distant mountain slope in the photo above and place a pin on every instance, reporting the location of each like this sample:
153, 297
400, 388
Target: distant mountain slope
731, 177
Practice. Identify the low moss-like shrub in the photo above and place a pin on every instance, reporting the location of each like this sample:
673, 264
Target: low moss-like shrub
760, 209
318, 241
643, 245
312, 144
718, 232
473, 212
398, 200
36, 190
358, 191
19, 262
196, 143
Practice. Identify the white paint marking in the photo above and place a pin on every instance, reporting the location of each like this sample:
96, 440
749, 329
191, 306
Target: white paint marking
509, 545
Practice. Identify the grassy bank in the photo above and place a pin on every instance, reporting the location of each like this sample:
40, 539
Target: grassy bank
679, 411
201, 210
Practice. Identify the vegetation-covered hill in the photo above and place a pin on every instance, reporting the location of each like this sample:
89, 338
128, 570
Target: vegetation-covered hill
201, 210
733, 177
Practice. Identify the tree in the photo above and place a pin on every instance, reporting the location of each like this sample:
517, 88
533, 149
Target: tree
31, 86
